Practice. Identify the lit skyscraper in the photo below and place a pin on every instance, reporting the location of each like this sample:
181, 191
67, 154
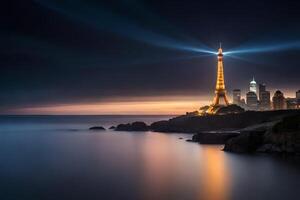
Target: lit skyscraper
253, 86
252, 102
236, 96
264, 98
298, 98
291, 103
298, 95
261, 88
278, 100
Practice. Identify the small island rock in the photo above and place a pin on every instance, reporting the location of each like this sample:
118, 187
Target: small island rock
135, 126
97, 128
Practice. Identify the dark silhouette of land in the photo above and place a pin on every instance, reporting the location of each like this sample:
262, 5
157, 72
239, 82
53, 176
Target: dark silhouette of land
135, 126
283, 137
229, 122
246, 132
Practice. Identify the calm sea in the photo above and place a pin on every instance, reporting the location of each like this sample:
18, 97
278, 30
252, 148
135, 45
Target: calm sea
57, 157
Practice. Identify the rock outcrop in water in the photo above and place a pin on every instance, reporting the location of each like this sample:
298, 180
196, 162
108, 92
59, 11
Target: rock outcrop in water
214, 137
135, 126
246, 142
97, 128
283, 137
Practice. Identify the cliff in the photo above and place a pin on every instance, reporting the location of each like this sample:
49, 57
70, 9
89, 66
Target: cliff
283, 137
195, 124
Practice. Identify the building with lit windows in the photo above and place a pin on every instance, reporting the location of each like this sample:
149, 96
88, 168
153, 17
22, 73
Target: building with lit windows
298, 98
278, 100
236, 96
253, 86
291, 103
251, 100
264, 98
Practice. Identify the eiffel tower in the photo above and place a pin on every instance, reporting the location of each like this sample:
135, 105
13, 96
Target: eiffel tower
220, 91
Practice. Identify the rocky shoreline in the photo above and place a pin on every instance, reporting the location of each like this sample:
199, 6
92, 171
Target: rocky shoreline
248, 132
283, 138
214, 137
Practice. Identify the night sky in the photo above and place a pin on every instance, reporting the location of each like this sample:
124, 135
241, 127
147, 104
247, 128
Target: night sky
96, 52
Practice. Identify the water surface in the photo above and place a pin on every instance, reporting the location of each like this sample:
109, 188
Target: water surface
57, 157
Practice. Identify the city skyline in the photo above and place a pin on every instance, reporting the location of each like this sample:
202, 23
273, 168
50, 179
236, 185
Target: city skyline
145, 105
166, 107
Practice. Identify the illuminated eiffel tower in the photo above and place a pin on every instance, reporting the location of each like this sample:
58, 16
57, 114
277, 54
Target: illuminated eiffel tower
220, 91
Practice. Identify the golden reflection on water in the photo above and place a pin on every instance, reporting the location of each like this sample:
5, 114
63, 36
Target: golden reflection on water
157, 161
192, 171
215, 175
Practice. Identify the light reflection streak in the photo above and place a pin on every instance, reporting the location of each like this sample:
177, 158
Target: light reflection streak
203, 174
157, 166
215, 175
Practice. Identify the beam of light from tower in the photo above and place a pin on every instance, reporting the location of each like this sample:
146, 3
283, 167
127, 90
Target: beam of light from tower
245, 59
70, 57
139, 8
295, 45
104, 20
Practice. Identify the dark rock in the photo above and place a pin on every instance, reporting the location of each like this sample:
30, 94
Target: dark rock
180, 138
123, 127
214, 138
285, 136
112, 127
282, 138
247, 142
269, 148
135, 126
160, 126
287, 124
228, 122
97, 128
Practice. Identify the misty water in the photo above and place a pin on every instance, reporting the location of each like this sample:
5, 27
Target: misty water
57, 157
